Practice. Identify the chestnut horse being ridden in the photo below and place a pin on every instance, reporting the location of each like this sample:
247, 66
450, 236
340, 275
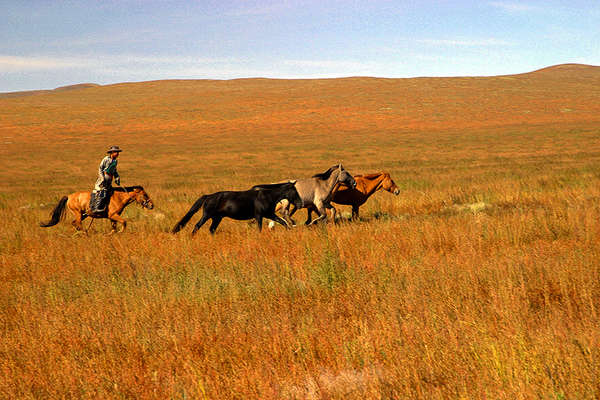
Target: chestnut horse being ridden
366, 185
79, 205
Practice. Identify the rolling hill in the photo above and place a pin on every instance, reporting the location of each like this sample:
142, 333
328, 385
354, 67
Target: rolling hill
479, 280
560, 94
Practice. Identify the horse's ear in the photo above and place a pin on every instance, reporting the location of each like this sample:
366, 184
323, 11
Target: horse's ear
293, 181
340, 167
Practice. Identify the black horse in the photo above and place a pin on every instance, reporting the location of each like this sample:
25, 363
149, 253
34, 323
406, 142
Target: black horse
258, 202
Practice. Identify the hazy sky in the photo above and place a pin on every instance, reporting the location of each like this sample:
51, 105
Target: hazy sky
51, 43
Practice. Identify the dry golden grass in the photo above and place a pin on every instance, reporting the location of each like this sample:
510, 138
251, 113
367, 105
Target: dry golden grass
481, 280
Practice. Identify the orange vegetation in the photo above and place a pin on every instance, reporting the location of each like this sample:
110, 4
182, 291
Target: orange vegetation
480, 280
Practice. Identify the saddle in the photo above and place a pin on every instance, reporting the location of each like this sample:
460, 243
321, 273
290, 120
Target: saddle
99, 202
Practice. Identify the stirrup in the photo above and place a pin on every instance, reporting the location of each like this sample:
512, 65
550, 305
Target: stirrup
97, 213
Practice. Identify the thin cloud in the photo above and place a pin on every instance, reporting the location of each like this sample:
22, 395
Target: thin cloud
139, 67
177, 60
513, 7
465, 42
329, 64
40, 63
90, 41
272, 9
16, 63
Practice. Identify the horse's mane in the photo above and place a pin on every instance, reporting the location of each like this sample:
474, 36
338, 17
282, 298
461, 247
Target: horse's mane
127, 188
371, 175
325, 175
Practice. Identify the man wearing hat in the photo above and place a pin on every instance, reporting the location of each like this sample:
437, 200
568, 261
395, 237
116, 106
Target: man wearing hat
103, 188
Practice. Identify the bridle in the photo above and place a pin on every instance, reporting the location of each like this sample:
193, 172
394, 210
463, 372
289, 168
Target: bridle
145, 203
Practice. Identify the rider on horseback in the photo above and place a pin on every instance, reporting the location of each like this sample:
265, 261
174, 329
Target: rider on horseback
103, 188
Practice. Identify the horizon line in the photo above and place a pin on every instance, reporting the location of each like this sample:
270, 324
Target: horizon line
86, 85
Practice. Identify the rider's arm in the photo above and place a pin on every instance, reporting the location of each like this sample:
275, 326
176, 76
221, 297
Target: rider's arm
111, 167
103, 170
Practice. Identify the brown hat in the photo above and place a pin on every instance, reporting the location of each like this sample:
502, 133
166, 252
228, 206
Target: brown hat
114, 149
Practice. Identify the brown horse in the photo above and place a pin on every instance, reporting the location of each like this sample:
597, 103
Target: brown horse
366, 185
79, 205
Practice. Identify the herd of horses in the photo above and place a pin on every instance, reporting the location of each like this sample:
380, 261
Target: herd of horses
316, 194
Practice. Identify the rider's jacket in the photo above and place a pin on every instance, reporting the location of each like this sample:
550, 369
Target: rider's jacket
106, 172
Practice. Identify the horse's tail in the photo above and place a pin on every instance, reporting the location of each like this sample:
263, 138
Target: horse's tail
57, 214
193, 210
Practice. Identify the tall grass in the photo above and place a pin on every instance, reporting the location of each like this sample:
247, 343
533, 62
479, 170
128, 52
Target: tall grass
480, 280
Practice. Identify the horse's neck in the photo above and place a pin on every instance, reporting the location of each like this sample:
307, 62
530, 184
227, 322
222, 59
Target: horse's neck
373, 185
124, 198
332, 181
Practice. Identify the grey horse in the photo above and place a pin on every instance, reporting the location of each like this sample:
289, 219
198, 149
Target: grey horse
316, 193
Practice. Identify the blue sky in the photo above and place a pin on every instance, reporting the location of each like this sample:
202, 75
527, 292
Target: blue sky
51, 43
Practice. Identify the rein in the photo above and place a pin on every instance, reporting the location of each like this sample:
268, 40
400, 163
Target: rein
130, 200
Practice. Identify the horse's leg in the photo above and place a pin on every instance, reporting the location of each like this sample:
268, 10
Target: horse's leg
321, 211
200, 223
309, 211
333, 212
290, 213
354, 212
113, 223
282, 221
77, 223
259, 219
117, 218
284, 208
217, 220
76, 215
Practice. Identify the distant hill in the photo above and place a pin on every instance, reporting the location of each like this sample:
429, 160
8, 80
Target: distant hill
557, 71
76, 87
58, 89
561, 94
568, 70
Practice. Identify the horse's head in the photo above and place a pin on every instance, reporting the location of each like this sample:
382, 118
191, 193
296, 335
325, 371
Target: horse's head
345, 178
141, 197
389, 184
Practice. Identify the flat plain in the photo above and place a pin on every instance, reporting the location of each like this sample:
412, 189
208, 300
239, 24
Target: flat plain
480, 279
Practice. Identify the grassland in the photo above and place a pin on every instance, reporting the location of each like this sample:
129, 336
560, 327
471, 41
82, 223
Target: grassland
481, 280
